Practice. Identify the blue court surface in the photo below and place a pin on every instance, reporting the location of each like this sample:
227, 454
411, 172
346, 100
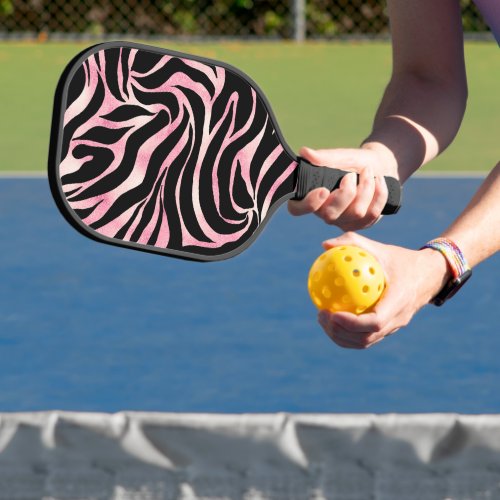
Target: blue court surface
92, 327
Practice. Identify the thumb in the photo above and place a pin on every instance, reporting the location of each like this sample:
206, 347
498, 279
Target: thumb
349, 238
311, 155
338, 158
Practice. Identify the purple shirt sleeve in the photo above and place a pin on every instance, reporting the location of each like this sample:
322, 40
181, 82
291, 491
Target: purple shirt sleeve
490, 9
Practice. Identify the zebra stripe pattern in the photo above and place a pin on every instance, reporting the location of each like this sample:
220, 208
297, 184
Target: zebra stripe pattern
169, 152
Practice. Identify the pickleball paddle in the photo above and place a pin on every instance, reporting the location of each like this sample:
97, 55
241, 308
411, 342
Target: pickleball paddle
171, 153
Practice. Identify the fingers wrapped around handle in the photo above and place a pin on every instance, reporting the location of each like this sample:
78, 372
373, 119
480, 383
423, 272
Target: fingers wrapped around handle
311, 177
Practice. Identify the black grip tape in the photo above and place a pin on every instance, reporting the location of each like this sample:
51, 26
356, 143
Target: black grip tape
311, 177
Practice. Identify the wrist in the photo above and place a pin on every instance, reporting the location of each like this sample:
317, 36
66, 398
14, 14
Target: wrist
386, 156
437, 272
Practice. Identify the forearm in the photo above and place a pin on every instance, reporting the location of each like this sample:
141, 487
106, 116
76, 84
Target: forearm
424, 103
477, 230
416, 120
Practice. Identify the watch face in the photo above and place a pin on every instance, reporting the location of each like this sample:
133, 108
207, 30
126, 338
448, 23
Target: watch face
451, 288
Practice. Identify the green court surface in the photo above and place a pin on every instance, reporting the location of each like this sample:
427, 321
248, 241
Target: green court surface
323, 95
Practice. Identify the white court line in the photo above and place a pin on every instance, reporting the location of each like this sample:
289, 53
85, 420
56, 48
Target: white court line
454, 174
22, 175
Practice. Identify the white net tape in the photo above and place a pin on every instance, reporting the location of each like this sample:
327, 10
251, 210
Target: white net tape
160, 456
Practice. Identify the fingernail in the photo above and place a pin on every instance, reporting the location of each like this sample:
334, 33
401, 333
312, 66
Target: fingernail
323, 194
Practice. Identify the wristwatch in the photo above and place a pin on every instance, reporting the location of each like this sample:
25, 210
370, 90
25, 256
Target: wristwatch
460, 270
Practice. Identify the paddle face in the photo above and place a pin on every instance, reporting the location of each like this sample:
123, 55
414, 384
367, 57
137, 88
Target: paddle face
165, 152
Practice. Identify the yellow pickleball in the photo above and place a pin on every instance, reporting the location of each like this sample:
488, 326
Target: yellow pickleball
346, 278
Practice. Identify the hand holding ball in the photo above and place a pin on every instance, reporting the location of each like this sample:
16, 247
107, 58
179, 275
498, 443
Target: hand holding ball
346, 278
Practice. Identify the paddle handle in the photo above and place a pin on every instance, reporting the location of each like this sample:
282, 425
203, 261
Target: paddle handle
310, 177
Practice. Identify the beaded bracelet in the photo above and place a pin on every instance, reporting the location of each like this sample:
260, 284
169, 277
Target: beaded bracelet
452, 254
460, 269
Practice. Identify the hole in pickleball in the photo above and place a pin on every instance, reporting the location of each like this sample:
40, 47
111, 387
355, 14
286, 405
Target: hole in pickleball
317, 300
330, 268
362, 254
346, 299
379, 288
339, 281
336, 306
356, 273
326, 292
317, 276
360, 309
366, 289
372, 270
348, 258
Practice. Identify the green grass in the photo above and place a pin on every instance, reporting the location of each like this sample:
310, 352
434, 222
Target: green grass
323, 95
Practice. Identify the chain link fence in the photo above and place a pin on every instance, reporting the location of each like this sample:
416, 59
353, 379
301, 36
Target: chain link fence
206, 18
